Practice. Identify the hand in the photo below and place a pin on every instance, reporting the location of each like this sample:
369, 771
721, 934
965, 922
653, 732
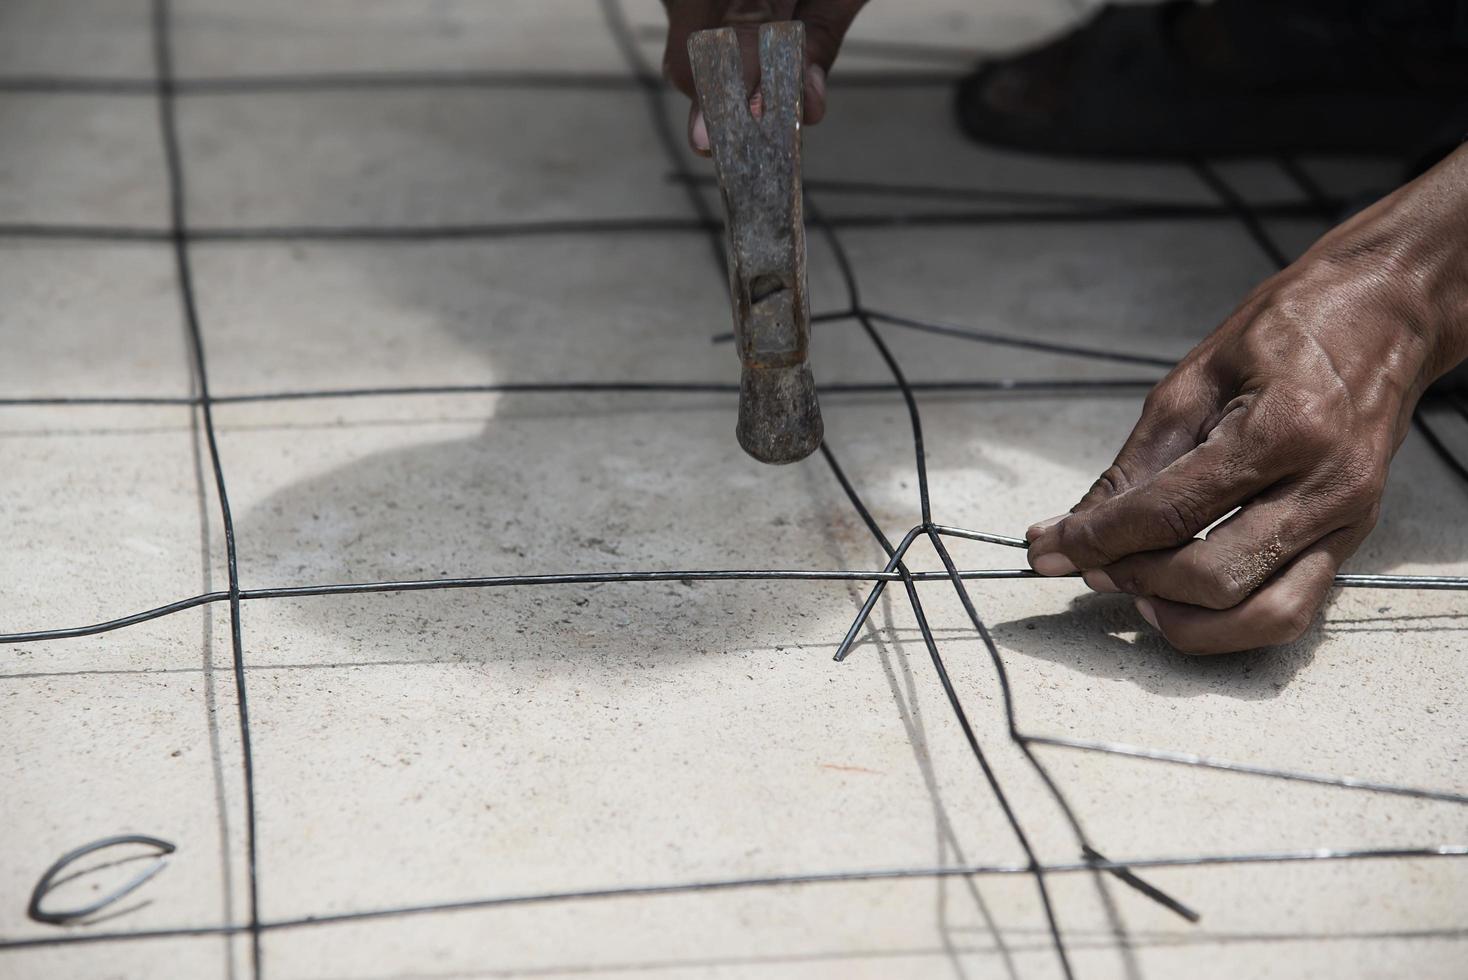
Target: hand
825, 21
1291, 410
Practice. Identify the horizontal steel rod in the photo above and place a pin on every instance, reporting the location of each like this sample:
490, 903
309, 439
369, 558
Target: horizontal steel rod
770, 881
339, 81
1189, 759
701, 575
1020, 385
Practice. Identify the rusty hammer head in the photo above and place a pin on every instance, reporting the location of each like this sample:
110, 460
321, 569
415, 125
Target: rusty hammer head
757, 162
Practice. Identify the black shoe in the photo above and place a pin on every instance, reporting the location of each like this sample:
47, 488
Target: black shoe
1234, 77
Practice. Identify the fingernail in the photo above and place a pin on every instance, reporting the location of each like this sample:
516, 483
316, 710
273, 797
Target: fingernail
815, 75
1098, 581
1047, 522
1052, 563
815, 94
1148, 611
698, 133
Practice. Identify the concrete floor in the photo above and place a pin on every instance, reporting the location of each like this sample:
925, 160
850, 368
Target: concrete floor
437, 746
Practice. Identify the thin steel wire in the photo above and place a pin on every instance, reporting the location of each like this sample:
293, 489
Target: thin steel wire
1330, 855
1246, 213
346, 81
178, 214
1007, 692
650, 225
844, 265
52, 877
888, 574
1190, 759
1105, 203
1018, 385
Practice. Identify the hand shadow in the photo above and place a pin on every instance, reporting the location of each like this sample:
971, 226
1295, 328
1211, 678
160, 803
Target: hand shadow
1118, 644
1422, 497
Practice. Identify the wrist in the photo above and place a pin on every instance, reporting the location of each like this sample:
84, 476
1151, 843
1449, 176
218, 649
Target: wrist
1411, 249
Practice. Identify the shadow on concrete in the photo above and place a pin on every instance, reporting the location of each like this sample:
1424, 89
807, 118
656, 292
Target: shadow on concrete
1145, 659
555, 484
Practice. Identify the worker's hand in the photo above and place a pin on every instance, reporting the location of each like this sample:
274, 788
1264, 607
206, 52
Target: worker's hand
825, 21
1292, 409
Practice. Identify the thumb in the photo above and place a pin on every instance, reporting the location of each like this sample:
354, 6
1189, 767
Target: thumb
684, 18
826, 24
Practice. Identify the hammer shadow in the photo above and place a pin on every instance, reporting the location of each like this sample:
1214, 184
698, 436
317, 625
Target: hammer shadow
468, 506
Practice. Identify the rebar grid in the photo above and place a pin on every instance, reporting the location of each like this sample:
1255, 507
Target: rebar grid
1032, 208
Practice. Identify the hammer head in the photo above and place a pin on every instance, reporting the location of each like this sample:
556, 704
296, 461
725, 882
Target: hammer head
757, 162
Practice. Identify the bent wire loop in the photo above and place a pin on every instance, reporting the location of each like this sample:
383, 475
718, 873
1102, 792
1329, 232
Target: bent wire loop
48, 880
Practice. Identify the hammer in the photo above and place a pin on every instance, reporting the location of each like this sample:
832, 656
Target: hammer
757, 162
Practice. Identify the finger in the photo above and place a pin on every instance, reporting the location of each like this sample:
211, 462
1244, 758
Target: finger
1230, 466
1278, 613
684, 18
1172, 416
826, 24
814, 102
1238, 556
698, 132
1159, 439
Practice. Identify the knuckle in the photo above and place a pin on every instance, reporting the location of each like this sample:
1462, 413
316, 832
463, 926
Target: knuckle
1129, 579
1083, 542
676, 68
1298, 622
1175, 391
1182, 517
1299, 412
1321, 427
1160, 400
1306, 428
1225, 584
1284, 619
1111, 482
823, 33
1362, 481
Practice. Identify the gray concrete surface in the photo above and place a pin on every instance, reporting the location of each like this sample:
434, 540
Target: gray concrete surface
439, 746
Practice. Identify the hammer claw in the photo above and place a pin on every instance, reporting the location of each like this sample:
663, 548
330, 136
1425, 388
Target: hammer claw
782, 73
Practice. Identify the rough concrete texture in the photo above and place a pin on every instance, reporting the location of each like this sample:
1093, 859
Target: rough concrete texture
439, 746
